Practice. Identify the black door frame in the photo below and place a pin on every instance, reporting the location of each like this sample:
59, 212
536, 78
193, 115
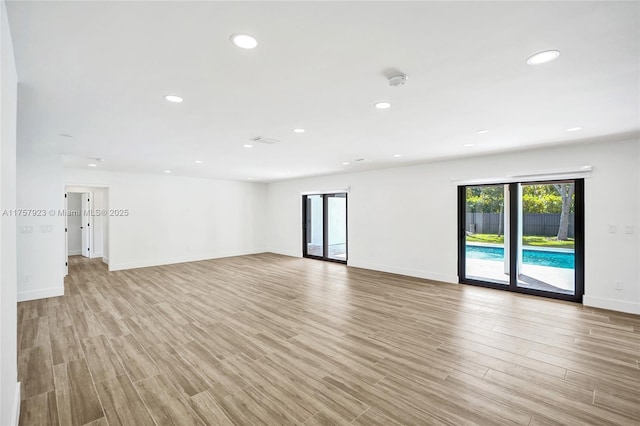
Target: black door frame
513, 243
306, 204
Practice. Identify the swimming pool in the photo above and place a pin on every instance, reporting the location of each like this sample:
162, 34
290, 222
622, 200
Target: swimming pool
554, 259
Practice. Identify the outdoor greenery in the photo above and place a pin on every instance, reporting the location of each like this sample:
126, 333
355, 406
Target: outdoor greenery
546, 199
527, 240
535, 199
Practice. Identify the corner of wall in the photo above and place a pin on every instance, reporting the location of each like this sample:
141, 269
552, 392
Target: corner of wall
15, 413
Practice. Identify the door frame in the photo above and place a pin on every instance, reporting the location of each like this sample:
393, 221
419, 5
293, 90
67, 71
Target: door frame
325, 218
514, 220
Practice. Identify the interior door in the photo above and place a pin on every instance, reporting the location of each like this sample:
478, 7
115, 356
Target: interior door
86, 224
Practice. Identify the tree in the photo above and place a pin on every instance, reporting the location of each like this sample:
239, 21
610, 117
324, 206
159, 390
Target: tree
566, 194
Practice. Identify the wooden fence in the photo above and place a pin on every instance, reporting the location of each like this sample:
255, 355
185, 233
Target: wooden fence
542, 224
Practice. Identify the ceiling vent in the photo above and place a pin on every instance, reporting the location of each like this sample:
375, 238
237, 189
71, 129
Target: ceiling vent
264, 140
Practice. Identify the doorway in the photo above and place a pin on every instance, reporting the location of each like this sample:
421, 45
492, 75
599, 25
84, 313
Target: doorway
525, 237
86, 223
324, 219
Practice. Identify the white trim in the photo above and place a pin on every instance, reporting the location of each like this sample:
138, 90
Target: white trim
15, 415
74, 252
327, 191
105, 260
611, 304
578, 172
417, 273
285, 252
184, 259
44, 293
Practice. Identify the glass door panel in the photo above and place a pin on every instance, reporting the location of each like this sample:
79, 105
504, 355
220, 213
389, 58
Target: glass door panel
314, 226
486, 230
546, 237
337, 226
325, 227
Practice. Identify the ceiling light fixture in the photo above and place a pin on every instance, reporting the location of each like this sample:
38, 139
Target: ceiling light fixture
173, 98
198, 161
469, 145
249, 178
481, 131
346, 163
543, 57
382, 105
397, 155
244, 41
167, 171
298, 130
247, 145
92, 165
574, 129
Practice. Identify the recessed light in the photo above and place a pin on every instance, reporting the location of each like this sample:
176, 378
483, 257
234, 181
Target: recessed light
298, 130
574, 129
543, 57
345, 163
481, 131
92, 165
469, 145
244, 41
198, 161
247, 145
167, 171
382, 105
173, 98
397, 155
249, 178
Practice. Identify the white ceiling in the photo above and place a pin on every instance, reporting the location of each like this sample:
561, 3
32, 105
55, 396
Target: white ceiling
98, 71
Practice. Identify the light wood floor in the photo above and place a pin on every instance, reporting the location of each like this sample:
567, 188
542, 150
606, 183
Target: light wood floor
274, 340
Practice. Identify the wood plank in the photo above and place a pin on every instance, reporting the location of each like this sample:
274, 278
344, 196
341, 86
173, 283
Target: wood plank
102, 361
122, 404
78, 401
35, 371
164, 402
134, 358
40, 410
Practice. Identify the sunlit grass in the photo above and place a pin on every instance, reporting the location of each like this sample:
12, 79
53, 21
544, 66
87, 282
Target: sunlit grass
527, 240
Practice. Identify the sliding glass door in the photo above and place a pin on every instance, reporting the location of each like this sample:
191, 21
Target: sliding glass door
325, 226
524, 237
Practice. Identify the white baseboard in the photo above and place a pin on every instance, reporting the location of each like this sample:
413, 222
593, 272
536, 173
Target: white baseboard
105, 259
15, 414
183, 259
23, 296
611, 304
417, 273
96, 255
292, 253
74, 252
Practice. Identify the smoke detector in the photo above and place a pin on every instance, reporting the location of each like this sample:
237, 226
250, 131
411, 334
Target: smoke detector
398, 79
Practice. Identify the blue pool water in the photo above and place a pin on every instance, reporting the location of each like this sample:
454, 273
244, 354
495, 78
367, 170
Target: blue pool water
531, 257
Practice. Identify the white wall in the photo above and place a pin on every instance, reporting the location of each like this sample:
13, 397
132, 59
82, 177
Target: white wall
41, 254
175, 219
9, 389
74, 222
404, 220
